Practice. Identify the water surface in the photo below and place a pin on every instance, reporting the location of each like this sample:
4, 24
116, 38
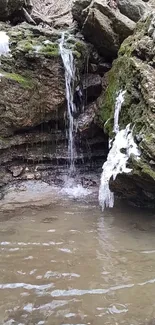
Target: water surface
69, 263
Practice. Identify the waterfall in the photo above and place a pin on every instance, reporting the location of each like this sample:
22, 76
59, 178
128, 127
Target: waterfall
68, 62
118, 106
4, 43
117, 158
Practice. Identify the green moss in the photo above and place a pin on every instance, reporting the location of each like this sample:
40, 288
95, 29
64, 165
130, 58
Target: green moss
141, 168
25, 46
148, 172
24, 82
81, 48
38, 46
77, 54
126, 47
116, 81
50, 49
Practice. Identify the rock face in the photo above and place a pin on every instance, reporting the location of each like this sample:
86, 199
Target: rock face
103, 26
134, 71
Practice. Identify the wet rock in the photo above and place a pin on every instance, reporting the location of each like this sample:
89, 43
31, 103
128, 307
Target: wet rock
92, 85
86, 119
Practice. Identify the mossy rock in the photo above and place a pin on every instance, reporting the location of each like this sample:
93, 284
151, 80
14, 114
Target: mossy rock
23, 81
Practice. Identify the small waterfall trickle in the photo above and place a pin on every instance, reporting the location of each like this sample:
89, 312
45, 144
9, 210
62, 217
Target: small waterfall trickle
118, 106
117, 160
68, 62
72, 187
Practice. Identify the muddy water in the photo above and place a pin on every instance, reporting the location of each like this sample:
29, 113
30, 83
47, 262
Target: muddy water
69, 263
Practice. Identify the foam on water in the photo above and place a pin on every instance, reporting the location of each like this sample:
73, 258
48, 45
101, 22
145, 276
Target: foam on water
116, 164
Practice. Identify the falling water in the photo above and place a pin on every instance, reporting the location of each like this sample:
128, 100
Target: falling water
68, 62
118, 105
4, 43
117, 160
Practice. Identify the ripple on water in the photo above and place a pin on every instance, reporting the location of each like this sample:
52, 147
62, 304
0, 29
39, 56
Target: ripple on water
51, 274
59, 279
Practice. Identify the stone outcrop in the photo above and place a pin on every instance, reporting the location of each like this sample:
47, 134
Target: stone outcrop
134, 71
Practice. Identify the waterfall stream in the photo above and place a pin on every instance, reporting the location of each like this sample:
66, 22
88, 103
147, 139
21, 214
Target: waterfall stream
117, 160
72, 187
68, 62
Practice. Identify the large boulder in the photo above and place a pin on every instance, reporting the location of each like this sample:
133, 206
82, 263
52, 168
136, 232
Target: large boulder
132, 9
134, 71
103, 26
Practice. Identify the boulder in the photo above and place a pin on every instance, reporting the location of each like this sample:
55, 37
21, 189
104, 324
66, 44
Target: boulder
132, 9
134, 71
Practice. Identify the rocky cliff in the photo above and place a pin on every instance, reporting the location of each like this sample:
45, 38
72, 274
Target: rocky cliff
134, 71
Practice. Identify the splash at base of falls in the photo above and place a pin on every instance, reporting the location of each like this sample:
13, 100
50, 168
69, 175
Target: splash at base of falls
116, 164
74, 190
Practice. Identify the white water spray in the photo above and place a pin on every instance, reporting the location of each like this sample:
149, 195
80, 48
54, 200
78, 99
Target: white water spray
117, 160
68, 62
